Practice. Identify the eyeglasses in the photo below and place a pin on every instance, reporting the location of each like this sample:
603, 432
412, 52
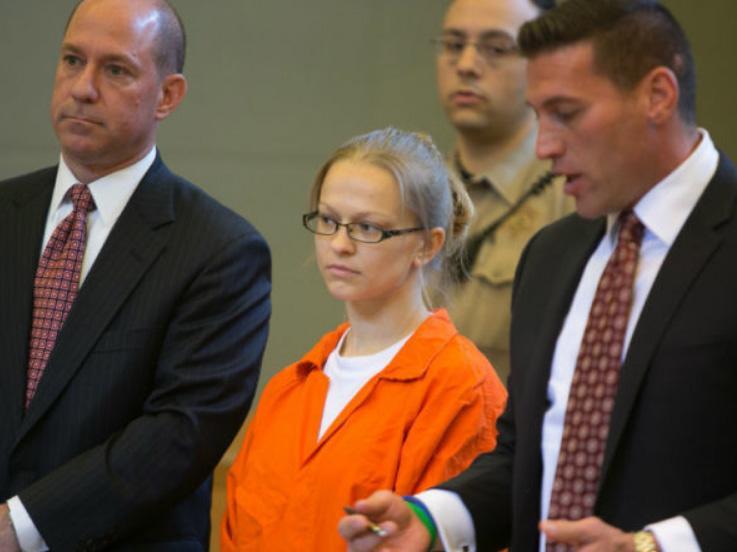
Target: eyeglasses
363, 232
491, 48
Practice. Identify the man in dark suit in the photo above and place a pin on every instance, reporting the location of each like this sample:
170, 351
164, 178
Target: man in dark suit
129, 355
641, 457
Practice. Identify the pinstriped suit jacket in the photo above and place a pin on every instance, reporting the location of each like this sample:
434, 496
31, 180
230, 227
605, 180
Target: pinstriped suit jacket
152, 373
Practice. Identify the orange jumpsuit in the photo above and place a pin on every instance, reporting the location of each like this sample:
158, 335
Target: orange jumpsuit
419, 421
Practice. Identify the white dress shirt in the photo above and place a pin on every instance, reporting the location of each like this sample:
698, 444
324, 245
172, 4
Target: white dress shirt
110, 194
663, 211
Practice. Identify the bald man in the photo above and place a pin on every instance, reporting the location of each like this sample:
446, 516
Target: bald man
134, 308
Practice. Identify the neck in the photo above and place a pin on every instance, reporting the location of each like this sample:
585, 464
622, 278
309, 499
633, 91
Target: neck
667, 151
684, 143
376, 325
86, 172
479, 152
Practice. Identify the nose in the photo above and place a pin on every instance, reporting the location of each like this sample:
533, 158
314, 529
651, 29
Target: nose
84, 88
469, 61
341, 241
549, 144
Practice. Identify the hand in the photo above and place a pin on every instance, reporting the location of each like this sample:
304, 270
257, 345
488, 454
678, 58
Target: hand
8, 540
588, 535
405, 531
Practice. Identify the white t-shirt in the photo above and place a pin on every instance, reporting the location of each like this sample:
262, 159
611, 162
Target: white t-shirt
348, 374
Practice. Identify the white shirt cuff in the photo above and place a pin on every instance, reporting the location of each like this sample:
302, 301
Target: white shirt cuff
452, 518
29, 539
675, 535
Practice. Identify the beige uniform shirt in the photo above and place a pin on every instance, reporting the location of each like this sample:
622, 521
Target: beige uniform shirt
480, 307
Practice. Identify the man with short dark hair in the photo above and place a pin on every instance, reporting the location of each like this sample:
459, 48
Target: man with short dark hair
481, 86
624, 324
134, 308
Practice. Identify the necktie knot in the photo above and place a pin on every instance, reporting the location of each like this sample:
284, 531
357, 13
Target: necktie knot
631, 229
81, 198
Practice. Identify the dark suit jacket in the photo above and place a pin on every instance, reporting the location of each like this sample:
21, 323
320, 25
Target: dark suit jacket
152, 373
672, 445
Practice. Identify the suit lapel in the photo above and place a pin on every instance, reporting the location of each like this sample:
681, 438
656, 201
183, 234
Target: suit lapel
572, 263
134, 243
699, 238
562, 273
23, 220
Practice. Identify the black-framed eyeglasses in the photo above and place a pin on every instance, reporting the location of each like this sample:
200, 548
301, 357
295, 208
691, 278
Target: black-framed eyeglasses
491, 49
363, 232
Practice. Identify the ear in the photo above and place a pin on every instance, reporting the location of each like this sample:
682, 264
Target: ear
173, 90
431, 244
661, 93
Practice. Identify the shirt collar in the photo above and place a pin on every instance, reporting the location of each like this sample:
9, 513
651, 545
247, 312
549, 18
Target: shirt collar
511, 176
663, 210
410, 362
110, 193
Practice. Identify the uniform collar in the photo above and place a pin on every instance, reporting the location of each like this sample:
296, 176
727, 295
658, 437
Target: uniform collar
410, 362
511, 176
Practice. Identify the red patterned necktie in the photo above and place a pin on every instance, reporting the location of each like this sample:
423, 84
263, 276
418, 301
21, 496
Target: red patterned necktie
595, 382
56, 283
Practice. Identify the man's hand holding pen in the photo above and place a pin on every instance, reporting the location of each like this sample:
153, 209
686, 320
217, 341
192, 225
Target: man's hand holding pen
385, 512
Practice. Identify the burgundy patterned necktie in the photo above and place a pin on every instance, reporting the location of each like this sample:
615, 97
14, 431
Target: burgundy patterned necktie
595, 382
56, 283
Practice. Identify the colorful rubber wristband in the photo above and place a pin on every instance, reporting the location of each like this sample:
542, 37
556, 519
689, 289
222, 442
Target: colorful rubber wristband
424, 515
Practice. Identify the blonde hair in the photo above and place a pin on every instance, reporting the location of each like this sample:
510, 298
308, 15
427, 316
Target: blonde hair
425, 187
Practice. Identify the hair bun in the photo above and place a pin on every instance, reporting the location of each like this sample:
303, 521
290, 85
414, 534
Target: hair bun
463, 210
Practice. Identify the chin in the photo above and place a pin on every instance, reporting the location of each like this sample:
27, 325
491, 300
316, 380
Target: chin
340, 292
353, 296
81, 154
472, 123
591, 211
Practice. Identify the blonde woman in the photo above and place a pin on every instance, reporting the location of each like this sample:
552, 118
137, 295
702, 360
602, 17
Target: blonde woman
394, 397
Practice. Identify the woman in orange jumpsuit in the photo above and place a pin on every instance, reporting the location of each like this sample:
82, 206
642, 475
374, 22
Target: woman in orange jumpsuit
394, 398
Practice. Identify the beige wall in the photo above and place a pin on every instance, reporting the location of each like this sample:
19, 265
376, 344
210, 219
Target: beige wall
710, 26
275, 85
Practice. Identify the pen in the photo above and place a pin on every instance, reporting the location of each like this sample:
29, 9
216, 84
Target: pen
375, 529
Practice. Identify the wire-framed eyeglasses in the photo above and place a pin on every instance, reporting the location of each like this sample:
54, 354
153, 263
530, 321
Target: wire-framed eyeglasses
364, 232
491, 48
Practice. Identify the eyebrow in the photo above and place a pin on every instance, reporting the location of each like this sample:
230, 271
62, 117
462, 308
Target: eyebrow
70, 48
557, 100
554, 102
356, 216
118, 58
484, 35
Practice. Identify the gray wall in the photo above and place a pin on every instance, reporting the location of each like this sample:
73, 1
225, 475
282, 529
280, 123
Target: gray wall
274, 87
